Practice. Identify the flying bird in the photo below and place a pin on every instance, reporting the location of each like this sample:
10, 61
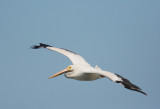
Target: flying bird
83, 71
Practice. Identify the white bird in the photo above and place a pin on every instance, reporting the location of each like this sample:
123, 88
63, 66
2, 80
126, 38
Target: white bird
81, 70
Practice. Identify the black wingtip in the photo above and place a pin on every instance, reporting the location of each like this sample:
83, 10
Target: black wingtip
127, 84
41, 45
142, 92
35, 47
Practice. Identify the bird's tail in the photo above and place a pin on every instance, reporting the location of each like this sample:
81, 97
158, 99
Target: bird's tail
127, 84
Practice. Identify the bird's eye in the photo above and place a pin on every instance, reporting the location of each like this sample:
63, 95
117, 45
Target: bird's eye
69, 67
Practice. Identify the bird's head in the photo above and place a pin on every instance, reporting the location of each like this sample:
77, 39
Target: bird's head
66, 70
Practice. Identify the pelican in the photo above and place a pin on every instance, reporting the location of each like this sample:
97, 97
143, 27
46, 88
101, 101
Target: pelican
83, 71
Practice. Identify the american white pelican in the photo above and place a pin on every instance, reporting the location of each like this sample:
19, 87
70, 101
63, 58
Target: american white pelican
81, 70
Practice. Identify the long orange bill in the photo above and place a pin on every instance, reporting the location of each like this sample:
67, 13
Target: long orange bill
59, 73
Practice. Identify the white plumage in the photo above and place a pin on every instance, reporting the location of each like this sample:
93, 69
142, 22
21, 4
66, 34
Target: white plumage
83, 71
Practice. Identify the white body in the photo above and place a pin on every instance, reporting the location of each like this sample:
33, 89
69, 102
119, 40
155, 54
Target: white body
83, 73
89, 73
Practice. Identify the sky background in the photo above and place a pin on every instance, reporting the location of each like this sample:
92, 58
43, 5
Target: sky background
121, 36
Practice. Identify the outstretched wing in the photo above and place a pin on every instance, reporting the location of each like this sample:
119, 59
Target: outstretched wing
119, 79
75, 58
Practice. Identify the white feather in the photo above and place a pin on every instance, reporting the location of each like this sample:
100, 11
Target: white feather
75, 58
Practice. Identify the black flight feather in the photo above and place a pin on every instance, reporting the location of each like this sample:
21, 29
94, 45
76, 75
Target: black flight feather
127, 84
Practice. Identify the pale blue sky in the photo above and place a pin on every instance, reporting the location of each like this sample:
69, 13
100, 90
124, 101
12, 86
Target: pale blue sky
120, 36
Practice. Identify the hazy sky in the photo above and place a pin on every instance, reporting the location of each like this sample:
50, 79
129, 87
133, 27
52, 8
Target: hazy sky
121, 36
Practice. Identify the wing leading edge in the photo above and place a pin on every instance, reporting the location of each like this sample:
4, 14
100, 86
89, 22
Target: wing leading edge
75, 58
